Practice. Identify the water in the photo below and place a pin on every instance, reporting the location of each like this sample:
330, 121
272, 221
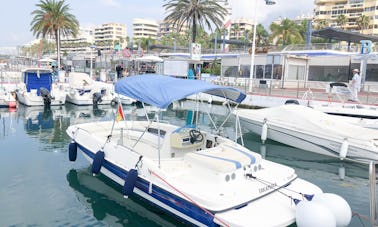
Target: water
40, 187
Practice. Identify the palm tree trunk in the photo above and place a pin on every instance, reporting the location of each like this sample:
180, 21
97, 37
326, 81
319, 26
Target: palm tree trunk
194, 33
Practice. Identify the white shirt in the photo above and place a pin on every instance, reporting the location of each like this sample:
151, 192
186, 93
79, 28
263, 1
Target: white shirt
356, 81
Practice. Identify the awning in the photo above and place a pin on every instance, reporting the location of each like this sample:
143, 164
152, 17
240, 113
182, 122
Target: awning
342, 35
161, 91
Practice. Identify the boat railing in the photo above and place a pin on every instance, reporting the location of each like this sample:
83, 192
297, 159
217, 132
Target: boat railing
295, 89
372, 191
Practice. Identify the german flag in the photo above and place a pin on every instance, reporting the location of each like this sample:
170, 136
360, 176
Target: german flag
120, 116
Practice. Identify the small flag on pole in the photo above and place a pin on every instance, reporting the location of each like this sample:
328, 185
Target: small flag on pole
120, 116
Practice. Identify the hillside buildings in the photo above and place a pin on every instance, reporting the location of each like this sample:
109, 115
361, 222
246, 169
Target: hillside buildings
328, 13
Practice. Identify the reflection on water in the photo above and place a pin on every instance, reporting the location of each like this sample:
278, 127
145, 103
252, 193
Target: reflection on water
7, 117
107, 203
74, 197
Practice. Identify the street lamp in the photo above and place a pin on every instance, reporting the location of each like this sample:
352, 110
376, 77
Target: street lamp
267, 2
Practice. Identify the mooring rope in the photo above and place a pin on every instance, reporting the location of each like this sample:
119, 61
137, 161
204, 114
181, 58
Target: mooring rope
188, 198
267, 183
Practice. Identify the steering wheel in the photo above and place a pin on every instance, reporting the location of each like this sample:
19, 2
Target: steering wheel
195, 136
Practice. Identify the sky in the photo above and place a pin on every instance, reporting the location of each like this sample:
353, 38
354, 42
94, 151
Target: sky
15, 15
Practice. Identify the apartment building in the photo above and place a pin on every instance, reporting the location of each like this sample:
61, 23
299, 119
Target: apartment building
327, 12
239, 28
80, 43
167, 27
106, 36
143, 28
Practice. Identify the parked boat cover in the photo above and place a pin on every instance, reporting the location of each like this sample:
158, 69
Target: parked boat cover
160, 91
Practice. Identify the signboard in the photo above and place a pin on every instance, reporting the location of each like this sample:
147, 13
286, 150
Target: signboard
195, 53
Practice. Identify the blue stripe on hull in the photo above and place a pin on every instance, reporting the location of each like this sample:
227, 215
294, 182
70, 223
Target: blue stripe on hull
169, 199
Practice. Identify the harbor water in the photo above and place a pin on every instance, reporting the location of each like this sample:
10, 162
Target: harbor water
41, 187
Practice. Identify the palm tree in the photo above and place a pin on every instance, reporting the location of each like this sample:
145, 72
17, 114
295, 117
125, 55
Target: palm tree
321, 24
53, 18
286, 32
236, 29
195, 13
341, 20
262, 35
363, 22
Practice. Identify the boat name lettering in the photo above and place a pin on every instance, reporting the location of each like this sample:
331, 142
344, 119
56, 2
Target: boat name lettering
267, 188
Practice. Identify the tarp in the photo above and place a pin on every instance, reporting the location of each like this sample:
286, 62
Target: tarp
160, 90
149, 59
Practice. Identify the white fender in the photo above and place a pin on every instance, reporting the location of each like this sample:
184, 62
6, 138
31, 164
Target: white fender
344, 149
264, 131
310, 214
337, 205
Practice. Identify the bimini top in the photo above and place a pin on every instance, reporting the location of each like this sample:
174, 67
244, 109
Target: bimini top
160, 91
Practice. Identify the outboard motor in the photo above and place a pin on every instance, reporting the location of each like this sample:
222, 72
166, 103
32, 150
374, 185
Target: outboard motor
97, 97
46, 96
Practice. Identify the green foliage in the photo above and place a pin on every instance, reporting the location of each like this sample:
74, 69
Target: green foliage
287, 32
195, 14
52, 16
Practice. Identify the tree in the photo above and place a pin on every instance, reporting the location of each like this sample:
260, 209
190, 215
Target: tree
341, 20
321, 24
195, 13
52, 18
262, 35
286, 32
236, 29
363, 22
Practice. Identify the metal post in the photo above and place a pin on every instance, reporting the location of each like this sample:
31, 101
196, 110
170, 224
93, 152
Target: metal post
267, 2
58, 45
91, 63
253, 50
372, 182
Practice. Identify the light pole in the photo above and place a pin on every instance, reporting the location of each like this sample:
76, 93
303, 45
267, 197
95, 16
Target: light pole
91, 62
267, 2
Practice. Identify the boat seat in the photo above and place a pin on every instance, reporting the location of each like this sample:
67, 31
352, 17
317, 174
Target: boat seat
222, 158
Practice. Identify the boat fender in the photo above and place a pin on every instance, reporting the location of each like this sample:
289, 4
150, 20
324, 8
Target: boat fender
264, 131
114, 103
130, 181
98, 160
344, 149
337, 205
72, 151
311, 214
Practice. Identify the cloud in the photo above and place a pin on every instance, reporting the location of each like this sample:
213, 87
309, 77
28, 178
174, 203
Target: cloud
267, 14
110, 3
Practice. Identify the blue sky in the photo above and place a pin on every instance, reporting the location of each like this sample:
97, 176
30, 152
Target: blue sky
15, 15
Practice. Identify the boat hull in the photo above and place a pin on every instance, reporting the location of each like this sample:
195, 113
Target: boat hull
151, 184
300, 136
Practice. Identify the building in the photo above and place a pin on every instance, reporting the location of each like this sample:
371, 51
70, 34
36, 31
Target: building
239, 27
78, 44
108, 35
143, 28
327, 13
166, 27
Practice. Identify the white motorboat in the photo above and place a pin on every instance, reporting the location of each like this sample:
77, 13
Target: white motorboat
38, 89
303, 127
82, 90
7, 99
200, 177
124, 99
339, 104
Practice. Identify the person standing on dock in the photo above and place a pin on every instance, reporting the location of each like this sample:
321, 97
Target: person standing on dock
355, 85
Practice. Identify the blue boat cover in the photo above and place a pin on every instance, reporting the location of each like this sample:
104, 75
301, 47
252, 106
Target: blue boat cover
160, 90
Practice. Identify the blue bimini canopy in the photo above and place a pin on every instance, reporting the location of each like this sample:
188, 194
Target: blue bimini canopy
160, 91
